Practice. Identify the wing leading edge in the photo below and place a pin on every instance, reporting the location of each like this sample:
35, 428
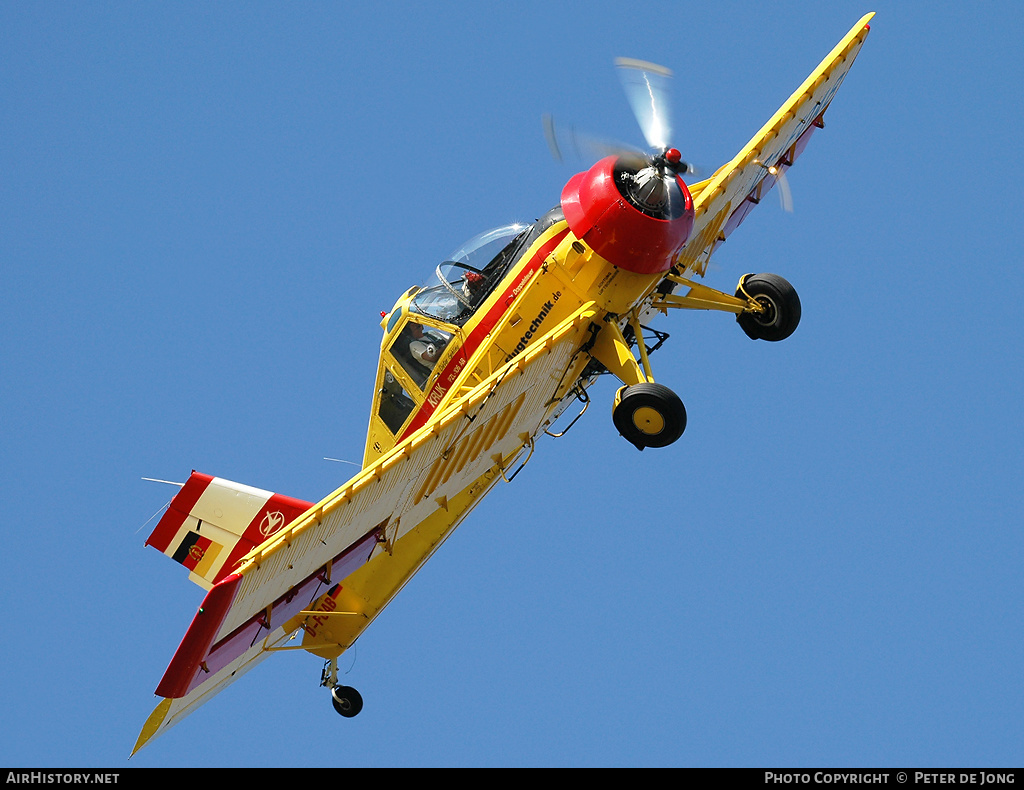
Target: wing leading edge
364, 541
722, 202
372, 534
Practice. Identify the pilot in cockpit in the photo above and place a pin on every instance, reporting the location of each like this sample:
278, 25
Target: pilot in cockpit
473, 287
425, 348
418, 348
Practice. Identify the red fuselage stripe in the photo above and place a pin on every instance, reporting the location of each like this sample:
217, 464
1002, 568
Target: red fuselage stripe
482, 329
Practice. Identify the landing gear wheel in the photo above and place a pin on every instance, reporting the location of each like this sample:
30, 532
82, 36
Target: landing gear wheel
781, 307
346, 701
648, 415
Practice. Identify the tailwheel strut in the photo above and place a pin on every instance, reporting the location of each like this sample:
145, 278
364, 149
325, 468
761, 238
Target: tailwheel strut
345, 699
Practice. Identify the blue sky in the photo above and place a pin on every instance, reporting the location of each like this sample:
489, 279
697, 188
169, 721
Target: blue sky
203, 210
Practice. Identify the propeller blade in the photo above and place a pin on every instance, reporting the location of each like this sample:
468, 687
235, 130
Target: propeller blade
691, 169
584, 147
647, 87
549, 135
785, 194
779, 174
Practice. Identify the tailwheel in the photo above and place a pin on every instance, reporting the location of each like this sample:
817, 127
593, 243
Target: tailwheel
648, 415
346, 700
780, 307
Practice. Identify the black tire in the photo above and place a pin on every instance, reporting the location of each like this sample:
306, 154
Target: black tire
346, 700
649, 415
782, 307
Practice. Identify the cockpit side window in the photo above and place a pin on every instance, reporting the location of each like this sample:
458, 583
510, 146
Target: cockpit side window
418, 348
395, 403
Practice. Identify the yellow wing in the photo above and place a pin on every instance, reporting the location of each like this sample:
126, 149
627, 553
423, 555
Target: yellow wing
368, 538
722, 201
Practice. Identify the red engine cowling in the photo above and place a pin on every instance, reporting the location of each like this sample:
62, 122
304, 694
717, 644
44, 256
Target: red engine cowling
633, 212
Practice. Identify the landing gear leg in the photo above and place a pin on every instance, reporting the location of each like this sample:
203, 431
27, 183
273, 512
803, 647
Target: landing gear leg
645, 413
766, 306
346, 700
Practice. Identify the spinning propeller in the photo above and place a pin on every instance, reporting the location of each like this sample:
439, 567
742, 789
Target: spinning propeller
648, 90
647, 87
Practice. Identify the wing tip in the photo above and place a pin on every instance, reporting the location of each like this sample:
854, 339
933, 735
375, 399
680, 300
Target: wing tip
153, 724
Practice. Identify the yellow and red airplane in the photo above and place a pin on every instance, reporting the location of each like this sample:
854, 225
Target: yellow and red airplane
473, 368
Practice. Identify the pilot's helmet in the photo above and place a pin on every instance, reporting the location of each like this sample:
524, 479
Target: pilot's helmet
425, 353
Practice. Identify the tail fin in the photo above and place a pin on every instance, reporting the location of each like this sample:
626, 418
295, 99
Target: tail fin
212, 523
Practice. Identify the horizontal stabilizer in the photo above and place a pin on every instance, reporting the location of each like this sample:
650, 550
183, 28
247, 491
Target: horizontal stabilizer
212, 523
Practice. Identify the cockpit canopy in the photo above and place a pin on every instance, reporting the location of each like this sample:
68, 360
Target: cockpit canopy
470, 274
423, 332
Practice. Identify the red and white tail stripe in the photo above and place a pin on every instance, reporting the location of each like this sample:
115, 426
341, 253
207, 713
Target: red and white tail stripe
212, 523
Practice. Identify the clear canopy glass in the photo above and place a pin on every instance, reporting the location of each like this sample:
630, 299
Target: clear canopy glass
469, 274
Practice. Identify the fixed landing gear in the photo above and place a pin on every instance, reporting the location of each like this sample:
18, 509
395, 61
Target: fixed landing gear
648, 414
645, 413
780, 313
346, 700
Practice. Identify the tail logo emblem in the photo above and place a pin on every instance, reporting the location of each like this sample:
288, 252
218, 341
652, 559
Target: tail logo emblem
271, 523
